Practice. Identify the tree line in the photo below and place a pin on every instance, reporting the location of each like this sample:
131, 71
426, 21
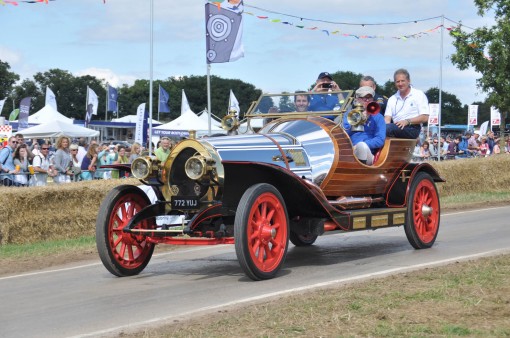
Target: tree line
70, 92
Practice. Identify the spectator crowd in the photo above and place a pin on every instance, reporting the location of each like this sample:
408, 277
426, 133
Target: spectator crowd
39, 162
466, 145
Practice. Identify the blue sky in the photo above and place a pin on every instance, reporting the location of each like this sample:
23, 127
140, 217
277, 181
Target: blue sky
112, 41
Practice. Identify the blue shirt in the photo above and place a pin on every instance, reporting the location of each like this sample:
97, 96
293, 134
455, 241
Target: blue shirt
373, 135
6, 159
323, 102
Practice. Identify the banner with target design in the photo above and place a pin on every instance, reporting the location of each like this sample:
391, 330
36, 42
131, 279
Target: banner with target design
224, 31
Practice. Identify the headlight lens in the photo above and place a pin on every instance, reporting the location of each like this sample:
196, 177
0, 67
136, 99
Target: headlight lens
141, 168
195, 167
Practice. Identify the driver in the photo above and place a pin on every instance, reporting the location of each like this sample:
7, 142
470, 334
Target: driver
367, 142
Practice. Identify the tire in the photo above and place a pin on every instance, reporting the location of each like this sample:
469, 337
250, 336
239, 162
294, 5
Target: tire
302, 240
423, 212
261, 231
123, 254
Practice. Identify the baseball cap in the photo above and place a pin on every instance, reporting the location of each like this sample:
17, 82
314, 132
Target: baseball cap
323, 75
364, 91
73, 146
476, 132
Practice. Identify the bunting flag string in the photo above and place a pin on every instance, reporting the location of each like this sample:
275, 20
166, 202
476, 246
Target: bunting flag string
340, 33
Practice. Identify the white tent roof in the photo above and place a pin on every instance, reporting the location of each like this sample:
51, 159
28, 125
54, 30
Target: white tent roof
131, 119
187, 121
215, 120
47, 114
58, 128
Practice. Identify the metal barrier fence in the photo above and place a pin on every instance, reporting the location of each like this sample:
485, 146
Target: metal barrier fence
26, 179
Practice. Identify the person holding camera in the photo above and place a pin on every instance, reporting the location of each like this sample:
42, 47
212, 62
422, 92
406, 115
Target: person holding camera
324, 100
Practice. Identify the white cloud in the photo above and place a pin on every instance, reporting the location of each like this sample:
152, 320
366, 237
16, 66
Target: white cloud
109, 76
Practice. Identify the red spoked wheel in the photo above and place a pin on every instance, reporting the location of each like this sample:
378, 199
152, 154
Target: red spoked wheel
261, 231
123, 254
423, 212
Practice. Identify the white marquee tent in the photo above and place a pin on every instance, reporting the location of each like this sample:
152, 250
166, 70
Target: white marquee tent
58, 128
189, 121
47, 114
132, 119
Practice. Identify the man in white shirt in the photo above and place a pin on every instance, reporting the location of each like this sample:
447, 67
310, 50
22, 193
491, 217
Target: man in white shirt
408, 108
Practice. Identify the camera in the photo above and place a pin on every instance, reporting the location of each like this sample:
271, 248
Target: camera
327, 85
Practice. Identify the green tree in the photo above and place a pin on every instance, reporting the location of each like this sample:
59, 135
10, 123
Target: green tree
7, 81
486, 50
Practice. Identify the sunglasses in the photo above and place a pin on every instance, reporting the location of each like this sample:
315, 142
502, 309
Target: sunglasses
15, 142
45, 148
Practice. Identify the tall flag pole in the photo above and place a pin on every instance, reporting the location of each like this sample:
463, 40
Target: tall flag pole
149, 136
223, 31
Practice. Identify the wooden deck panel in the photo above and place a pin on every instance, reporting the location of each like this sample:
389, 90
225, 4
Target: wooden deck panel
348, 177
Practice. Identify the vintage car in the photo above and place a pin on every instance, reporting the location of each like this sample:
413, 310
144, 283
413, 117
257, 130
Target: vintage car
294, 179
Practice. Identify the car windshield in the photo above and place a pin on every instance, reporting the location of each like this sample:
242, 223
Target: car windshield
299, 103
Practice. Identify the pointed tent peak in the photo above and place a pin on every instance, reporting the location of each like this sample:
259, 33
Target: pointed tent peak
184, 104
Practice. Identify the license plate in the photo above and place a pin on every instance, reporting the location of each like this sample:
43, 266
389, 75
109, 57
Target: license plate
185, 202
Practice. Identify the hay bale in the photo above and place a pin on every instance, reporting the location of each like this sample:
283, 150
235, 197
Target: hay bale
54, 212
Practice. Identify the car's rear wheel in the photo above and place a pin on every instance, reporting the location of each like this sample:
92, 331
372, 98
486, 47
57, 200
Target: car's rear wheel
302, 240
423, 212
123, 254
261, 231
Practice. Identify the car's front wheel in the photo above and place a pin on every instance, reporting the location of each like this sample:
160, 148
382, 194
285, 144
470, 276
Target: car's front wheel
261, 231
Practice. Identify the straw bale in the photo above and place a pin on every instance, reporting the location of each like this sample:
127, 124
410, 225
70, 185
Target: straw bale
474, 175
53, 212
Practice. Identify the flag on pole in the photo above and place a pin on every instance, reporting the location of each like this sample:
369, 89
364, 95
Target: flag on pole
184, 104
495, 117
92, 99
14, 114
434, 114
50, 98
472, 115
24, 110
142, 117
224, 31
92, 104
112, 98
2, 104
233, 104
163, 106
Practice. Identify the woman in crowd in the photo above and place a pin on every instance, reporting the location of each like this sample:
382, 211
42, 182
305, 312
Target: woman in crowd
136, 151
89, 163
75, 163
62, 160
484, 147
425, 151
21, 164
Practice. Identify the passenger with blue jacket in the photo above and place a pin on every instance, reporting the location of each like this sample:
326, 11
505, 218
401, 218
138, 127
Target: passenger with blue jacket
368, 140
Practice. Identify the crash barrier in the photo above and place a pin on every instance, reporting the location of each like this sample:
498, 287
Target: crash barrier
29, 179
